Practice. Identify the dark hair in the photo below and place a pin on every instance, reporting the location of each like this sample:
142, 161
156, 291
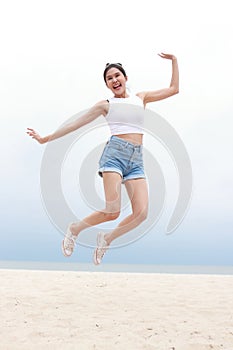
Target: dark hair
114, 65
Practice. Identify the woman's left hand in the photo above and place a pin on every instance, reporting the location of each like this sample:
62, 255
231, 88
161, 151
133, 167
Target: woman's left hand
167, 56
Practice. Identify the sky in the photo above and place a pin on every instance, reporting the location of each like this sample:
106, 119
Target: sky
51, 66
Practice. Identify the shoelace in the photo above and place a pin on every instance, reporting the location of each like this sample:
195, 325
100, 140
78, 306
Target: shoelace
69, 243
100, 252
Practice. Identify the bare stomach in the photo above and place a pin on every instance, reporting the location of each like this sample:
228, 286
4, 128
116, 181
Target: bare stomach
133, 138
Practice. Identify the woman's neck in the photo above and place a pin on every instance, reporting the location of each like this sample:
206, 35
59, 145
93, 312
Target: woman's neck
124, 95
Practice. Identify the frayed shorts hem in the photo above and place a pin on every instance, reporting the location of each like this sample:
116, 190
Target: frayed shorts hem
118, 171
110, 170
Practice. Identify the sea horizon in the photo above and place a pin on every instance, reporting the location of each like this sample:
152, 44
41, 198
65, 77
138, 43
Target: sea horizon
127, 268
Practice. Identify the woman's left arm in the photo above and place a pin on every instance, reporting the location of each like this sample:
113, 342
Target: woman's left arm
152, 96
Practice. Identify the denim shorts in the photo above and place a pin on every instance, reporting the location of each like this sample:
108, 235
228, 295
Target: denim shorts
122, 157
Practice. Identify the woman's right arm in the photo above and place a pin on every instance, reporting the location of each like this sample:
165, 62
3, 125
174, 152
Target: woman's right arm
101, 108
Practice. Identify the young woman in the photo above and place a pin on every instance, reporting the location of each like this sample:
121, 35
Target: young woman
122, 159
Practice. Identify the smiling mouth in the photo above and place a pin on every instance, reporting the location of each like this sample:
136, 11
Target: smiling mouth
117, 86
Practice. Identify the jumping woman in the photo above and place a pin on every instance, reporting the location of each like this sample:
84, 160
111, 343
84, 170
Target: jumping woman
122, 158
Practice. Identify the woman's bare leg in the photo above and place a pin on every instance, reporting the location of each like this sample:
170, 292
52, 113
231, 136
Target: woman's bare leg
138, 194
112, 189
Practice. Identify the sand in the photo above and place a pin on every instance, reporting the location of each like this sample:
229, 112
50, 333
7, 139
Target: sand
107, 311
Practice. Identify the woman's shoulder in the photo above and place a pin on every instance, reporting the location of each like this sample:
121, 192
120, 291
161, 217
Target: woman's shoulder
103, 105
141, 95
102, 102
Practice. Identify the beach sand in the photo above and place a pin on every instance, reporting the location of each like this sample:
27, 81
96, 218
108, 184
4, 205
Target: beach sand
107, 311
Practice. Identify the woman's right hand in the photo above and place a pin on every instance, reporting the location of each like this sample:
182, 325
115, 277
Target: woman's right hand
35, 135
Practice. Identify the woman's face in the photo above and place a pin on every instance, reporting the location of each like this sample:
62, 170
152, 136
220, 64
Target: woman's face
116, 82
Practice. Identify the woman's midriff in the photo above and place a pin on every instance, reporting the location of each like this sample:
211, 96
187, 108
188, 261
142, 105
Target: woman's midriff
133, 138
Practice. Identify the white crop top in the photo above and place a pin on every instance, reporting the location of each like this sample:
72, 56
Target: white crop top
125, 115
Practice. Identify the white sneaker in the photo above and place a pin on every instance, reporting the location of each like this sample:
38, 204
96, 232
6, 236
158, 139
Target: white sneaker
68, 242
101, 249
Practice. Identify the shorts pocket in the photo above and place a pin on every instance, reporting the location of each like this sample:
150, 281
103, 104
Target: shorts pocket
117, 151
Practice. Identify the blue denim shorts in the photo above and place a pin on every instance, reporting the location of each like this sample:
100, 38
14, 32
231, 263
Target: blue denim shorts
122, 157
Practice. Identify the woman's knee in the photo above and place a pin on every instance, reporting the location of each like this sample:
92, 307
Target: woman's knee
141, 214
111, 214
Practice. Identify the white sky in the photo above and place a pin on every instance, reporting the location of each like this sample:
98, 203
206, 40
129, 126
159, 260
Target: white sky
53, 54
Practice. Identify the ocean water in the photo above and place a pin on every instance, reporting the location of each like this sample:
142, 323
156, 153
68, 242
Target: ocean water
128, 268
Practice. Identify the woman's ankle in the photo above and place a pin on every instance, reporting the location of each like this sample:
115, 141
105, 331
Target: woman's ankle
107, 238
74, 229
